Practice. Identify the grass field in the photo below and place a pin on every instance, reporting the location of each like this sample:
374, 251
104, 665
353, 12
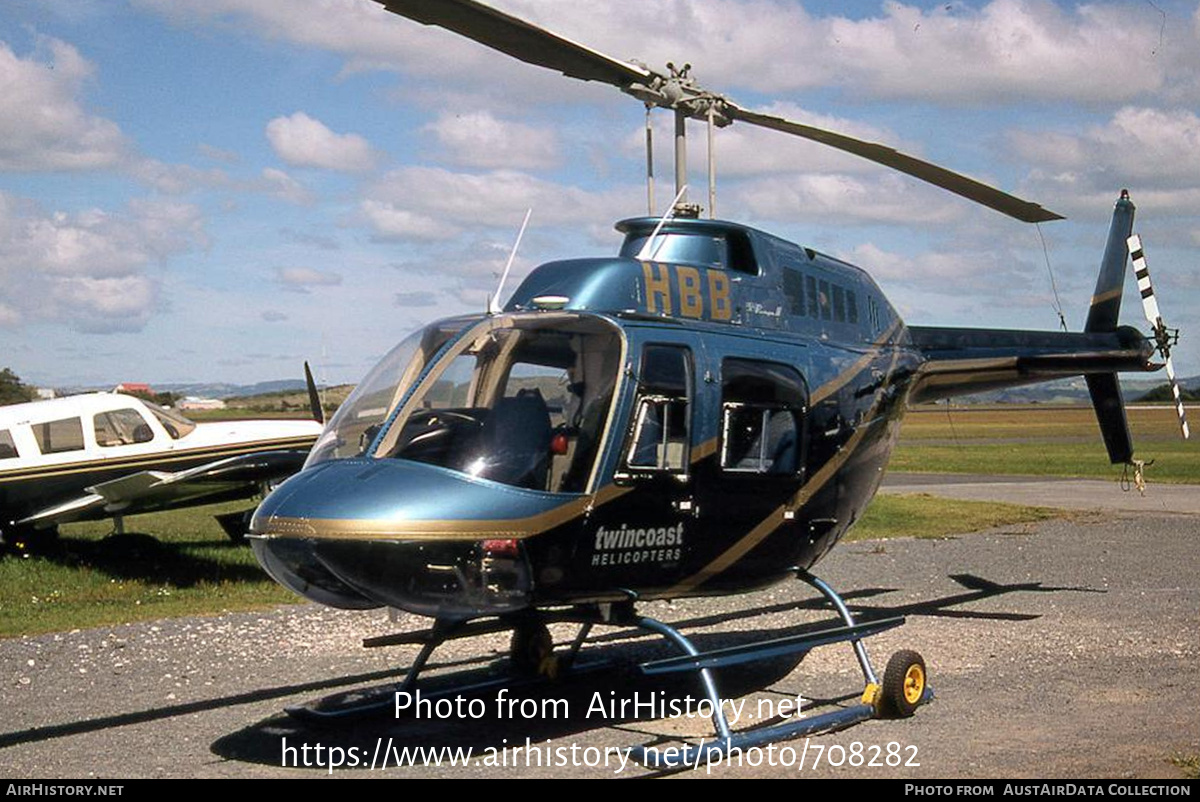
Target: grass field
1039, 441
188, 567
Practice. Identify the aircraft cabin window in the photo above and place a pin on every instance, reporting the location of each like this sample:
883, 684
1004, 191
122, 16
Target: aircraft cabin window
814, 301
762, 406
57, 436
839, 304
725, 251
121, 427
8, 449
793, 290
661, 437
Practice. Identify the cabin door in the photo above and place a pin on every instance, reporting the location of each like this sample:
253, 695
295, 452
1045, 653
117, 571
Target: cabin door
641, 537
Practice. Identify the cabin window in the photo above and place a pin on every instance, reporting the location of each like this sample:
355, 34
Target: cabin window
121, 427
793, 290
725, 251
57, 436
762, 411
839, 304
826, 309
851, 307
8, 449
661, 437
810, 284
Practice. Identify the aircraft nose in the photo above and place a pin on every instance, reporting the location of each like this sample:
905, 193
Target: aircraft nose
372, 532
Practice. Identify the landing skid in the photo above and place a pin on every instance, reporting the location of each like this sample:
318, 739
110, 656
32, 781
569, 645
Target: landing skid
902, 690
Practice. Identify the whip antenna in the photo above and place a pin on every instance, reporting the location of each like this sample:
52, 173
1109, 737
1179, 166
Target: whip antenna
494, 307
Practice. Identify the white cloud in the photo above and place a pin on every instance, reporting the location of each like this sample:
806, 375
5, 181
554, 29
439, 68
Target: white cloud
303, 141
88, 269
479, 139
1154, 146
391, 222
430, 202
1155, 153
1006, 50
42, 124
281, 185
835, 198
300, 279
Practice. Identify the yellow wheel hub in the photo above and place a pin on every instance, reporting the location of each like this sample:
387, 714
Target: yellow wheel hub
914, 684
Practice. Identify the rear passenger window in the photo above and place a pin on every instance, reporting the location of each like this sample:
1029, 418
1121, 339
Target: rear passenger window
8, 449
762, 408
57, 436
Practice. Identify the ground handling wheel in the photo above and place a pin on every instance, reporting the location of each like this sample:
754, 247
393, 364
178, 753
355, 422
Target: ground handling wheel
532, 649
904, 683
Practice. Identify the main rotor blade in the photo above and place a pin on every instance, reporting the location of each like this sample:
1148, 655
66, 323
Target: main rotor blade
969, 188
520, 39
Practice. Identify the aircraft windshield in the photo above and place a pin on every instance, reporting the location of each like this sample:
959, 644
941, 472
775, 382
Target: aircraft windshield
176, 425
521, 400
360, 417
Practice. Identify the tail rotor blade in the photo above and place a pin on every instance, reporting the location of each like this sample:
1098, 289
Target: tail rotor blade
1183, 424
1163, 337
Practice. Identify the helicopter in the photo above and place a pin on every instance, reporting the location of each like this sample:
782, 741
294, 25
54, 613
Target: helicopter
706, 412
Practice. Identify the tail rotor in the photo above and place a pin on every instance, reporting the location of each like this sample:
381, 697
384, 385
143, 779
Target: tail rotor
1164, 338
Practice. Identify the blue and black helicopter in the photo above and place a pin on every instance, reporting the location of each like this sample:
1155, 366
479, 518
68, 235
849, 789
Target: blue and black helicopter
707, 412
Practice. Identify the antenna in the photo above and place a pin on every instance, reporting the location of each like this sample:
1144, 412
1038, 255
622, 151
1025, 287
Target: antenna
646, 254
494, 307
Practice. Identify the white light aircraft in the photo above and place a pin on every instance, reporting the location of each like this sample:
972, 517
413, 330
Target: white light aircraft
108, 455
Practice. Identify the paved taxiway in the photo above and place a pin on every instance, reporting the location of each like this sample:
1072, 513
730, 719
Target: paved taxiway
1064, 649
1071, 494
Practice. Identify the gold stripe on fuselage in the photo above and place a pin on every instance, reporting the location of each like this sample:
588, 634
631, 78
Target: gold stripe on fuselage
838, 382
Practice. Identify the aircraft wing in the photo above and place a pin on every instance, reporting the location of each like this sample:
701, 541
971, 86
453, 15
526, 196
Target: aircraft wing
148, 491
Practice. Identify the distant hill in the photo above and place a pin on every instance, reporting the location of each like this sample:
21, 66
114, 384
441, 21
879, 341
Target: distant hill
217, 390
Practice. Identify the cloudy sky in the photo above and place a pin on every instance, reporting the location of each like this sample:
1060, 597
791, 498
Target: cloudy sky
216, 190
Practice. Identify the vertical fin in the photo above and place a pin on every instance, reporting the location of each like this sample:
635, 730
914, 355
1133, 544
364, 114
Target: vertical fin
1103, 314
1106, 300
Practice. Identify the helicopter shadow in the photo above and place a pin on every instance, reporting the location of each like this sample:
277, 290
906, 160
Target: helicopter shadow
138, 556
583, 702
489, 722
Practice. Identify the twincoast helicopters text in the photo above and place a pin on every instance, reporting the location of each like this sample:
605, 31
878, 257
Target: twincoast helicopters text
626, 545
